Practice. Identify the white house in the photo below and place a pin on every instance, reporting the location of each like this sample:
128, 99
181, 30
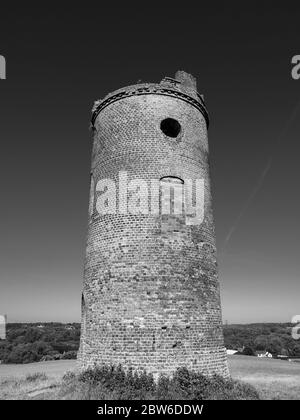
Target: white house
230, 351
263, 354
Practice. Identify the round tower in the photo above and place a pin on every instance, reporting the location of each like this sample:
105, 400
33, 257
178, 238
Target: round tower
151, 294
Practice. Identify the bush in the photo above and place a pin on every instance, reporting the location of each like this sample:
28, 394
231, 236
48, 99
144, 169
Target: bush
248, 351
69, 355
69, 376
115, 383
22, 353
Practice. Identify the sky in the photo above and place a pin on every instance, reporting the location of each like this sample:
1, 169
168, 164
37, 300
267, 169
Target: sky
60, 60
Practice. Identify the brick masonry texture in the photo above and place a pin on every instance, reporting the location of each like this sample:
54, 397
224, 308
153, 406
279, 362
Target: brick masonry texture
151, 293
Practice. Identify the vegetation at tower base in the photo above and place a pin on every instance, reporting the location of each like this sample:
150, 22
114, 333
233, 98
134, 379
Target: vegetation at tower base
151, 293
114, 383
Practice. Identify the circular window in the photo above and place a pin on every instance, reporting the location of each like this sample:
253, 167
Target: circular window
170, 127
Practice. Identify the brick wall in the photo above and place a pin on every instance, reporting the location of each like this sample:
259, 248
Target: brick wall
151, 293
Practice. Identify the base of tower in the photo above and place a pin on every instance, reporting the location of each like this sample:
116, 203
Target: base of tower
208, 364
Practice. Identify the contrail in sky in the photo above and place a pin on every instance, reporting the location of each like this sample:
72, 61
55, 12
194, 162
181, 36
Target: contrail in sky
262, 176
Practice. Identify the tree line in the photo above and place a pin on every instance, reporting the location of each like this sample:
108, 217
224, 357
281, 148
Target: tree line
26, 343
276, 338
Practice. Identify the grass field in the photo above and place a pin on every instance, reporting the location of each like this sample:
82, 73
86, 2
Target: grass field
33, 380
54, 369
274, 379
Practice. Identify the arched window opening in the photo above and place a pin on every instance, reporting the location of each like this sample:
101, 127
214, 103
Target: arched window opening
83, 313
172, 209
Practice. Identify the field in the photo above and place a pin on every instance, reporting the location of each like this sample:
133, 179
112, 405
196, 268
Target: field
274, 379
33, 380
53, 369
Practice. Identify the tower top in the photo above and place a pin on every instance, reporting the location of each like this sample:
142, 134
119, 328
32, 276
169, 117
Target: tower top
183, 86
186, 79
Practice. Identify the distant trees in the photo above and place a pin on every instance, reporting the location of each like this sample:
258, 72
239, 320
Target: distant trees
275, 345
27, 343
21, 353
261, 343
274, 338
69, 355
249, 351
32, 342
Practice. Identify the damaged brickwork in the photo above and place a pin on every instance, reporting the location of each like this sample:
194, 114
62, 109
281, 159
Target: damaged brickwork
151, 295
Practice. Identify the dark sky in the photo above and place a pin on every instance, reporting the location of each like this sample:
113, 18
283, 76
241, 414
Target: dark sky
60, 60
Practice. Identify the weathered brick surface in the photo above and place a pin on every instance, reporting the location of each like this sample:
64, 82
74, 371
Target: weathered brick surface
151, 293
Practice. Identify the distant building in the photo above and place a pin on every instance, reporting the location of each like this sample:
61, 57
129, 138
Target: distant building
3, 321
230, 351
294, 359
263, 354
282, 356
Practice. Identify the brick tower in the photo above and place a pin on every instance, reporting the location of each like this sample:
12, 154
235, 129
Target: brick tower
151, 293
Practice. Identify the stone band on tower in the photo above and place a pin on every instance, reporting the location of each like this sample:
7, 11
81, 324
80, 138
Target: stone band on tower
151, 295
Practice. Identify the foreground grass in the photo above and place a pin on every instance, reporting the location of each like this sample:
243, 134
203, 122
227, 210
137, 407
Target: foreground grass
53, 369
33, 386
108, 383
274, 379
